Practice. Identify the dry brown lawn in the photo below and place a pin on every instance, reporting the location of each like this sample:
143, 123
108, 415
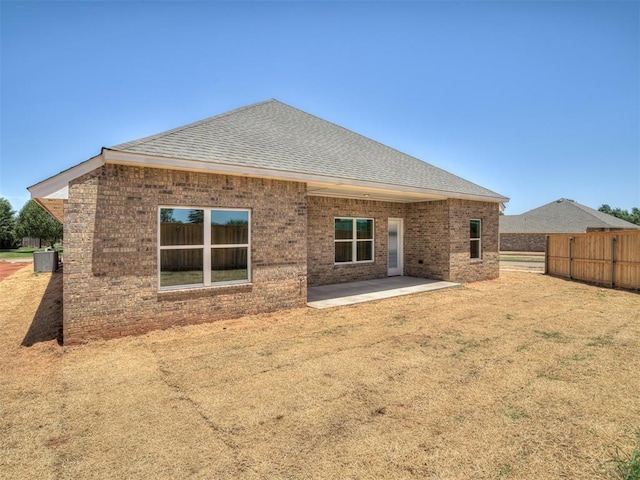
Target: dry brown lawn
523, 377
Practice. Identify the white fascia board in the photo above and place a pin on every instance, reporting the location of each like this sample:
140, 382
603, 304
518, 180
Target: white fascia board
141, 160
58, 185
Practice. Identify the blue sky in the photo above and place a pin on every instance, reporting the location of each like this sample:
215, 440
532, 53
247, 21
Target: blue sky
536, 100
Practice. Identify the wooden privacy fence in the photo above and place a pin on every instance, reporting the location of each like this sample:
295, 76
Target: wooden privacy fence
605, 258
193, 234
32, 242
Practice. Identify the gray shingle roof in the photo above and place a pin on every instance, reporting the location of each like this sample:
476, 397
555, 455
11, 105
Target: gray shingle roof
560, 216
272, 135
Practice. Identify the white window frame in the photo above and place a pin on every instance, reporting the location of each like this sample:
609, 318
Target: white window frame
207, 246
476, 239
354, 240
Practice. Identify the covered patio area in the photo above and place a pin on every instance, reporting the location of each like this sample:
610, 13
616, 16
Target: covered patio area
336, 295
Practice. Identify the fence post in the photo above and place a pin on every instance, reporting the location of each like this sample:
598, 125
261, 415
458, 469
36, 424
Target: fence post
546, 255
613, 260
570, 243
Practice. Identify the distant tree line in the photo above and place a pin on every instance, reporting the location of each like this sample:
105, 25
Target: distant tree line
31, 221
633, 217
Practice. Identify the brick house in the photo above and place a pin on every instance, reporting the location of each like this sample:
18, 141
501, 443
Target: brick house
528, 231
239, 213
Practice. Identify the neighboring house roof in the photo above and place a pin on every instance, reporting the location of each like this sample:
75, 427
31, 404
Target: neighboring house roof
560, 216
271, 139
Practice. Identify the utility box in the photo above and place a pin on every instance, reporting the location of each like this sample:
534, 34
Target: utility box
45, 261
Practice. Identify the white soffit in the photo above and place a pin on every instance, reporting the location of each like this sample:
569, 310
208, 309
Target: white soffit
54, 206
367, 193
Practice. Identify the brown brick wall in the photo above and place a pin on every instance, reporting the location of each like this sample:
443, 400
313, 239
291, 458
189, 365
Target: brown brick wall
110, 273
462, 268
436, 239
320, 242
426, 253
523, 242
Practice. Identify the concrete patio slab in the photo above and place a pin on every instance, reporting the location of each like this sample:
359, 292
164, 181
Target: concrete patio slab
326, 296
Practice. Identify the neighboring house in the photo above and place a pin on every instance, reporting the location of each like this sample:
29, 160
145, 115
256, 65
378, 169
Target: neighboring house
527, 232
238, 213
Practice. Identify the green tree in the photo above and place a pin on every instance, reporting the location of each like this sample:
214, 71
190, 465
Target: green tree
166, 215
237, 221
633, 217
34, 221
7, 224
196, 216
605, 208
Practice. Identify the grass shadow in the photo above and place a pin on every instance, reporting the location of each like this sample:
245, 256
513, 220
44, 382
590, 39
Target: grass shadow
47, 321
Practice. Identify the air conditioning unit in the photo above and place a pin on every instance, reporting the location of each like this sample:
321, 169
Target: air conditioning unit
46, 261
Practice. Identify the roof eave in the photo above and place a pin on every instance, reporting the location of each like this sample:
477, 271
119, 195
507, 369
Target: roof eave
54, 185
51, 193
155, 161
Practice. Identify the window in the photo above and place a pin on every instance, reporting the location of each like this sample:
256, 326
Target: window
200, 247
353, 240
475, 232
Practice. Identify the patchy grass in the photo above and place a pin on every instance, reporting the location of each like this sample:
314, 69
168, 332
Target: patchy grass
496, 379
516, 413
627, 465
549, 335
601, 341
505, 471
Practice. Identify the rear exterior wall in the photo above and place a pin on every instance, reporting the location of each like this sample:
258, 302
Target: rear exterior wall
436, 239
322, 211
111, 247
111, 239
